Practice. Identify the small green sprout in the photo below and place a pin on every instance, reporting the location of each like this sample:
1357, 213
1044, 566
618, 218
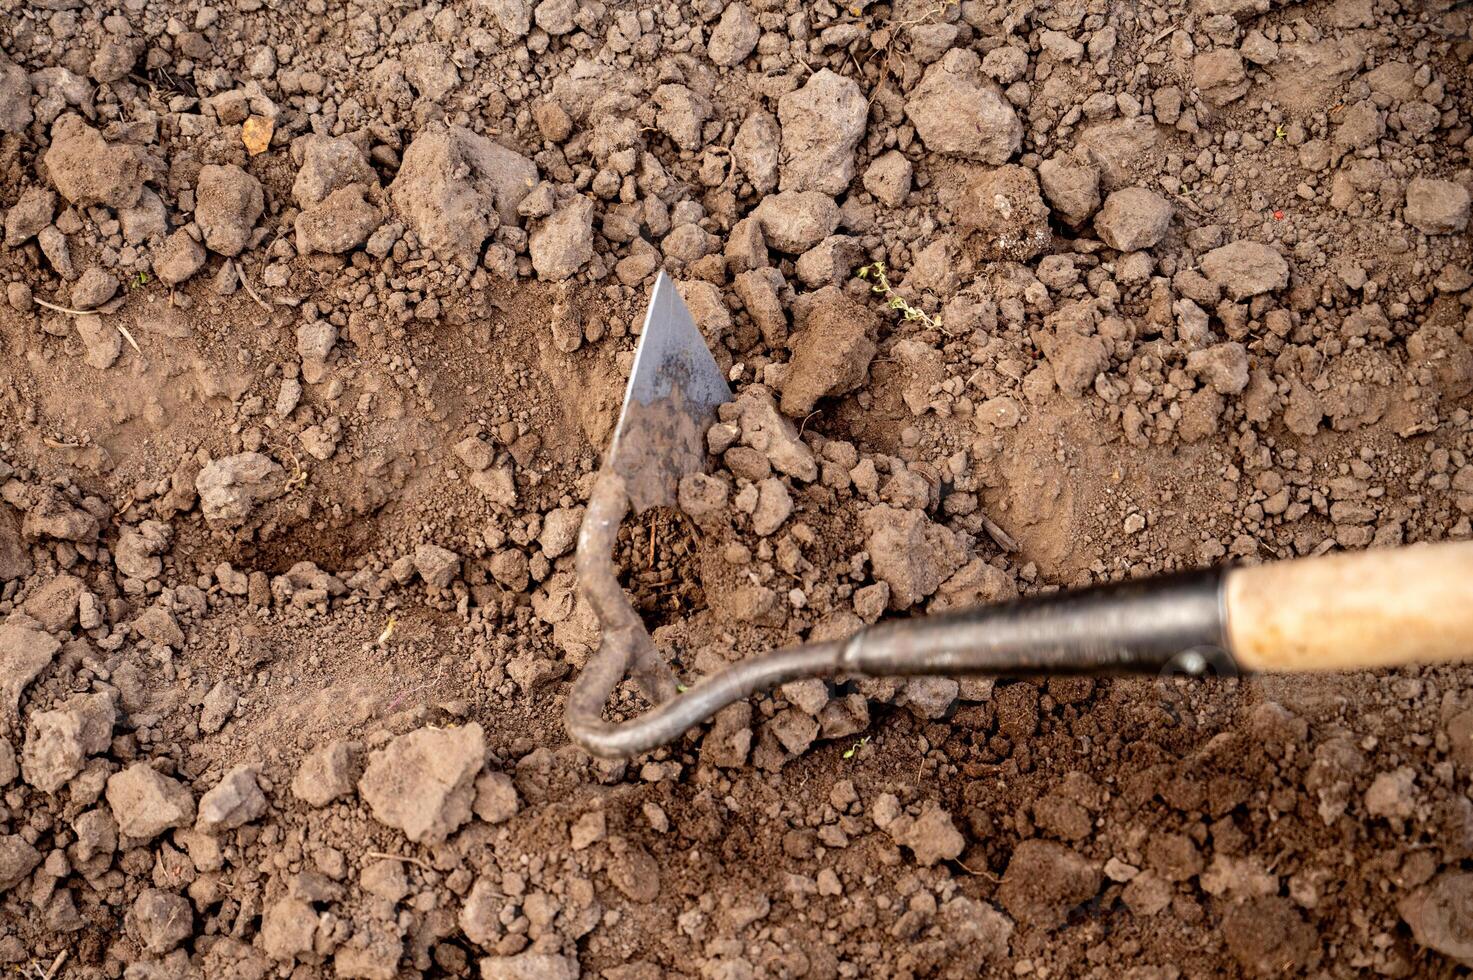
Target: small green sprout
1280, 132
880, 285
140, 280
849, 752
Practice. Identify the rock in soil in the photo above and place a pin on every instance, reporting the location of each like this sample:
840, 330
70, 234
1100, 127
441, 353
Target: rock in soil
455, 187
956, 111
932, 837
86, 169
1005, 215
1133, 218
1246, 269
1269, 937
563, 243
832, 349
228, 202
146, 802
1437, 207
31, 213
329, 165
230, 488
341, 222
326, 774
178, 258
1438, 915
795, 221
15, 97
822, 122
911, 554
24, 653
423, 783
17, 859
60, 741
1044, 882
529, 966
234, 801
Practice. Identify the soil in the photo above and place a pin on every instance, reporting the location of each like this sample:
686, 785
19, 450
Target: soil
316, 322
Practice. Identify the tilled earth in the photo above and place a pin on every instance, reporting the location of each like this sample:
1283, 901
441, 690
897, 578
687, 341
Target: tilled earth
316, 322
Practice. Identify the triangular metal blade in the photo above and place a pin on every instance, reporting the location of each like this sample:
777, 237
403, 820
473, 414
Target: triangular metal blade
674, 388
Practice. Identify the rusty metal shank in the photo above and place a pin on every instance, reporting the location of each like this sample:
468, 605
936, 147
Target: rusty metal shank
626, 648
1133, 626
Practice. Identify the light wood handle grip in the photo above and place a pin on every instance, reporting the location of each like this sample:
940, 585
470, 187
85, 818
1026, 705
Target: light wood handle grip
1358, 610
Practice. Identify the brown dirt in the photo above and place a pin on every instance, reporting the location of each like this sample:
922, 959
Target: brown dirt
1078, 415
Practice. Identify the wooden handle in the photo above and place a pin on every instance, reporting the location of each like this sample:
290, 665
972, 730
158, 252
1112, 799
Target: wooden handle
1377, 608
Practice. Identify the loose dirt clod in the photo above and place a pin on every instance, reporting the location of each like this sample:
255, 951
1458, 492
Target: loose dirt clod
423, 783
146, 803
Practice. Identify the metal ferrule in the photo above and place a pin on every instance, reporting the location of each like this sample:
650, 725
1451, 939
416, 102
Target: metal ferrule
1127, 626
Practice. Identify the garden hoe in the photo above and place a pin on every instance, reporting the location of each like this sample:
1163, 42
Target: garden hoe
1378, 608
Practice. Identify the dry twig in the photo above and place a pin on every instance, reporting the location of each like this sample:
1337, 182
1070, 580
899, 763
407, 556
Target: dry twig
71, 312
246, 282
1004, 539
398, 857
129, 338
56, 965
63, 309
